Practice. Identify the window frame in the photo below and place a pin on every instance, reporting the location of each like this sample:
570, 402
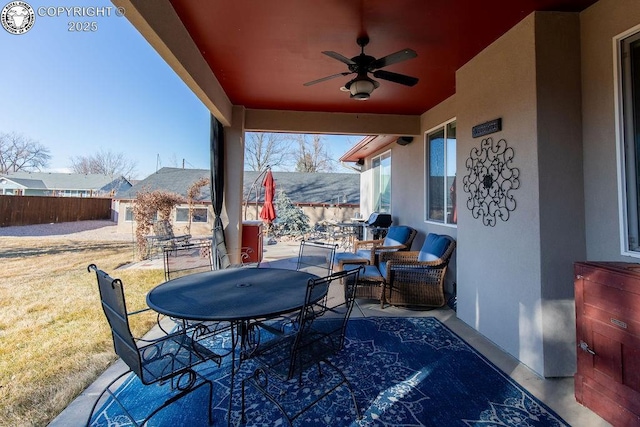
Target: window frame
129, 208
427, 157
376, 180
620, 98
128, 214
193, 221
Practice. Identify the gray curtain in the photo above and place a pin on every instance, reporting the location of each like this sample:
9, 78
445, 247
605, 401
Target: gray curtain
217, 181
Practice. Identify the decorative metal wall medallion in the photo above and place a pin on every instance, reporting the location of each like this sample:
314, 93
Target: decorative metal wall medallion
490, 180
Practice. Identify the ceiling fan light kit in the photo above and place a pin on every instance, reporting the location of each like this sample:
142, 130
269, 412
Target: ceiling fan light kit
362, 86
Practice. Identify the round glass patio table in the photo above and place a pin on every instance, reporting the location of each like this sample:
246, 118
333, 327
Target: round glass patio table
233, 294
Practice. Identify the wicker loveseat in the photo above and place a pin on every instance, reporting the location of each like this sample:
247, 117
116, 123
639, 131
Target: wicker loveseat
413, 278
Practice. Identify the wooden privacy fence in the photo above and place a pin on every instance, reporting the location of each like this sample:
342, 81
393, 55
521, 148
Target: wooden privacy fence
26, 210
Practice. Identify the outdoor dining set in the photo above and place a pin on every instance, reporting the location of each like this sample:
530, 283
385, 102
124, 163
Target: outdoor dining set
216, 317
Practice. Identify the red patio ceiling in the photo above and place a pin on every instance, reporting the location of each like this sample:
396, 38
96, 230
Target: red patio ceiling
263, 51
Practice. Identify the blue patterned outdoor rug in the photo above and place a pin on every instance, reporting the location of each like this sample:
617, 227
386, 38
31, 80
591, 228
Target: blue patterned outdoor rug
405, 372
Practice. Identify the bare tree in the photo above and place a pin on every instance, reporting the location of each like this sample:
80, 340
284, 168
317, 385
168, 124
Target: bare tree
105, 163
312, 155
262, 149
20, 153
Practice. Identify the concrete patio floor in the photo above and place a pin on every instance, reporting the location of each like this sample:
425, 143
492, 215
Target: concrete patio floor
557, 393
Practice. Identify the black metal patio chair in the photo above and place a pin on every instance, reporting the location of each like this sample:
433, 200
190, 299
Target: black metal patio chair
194, 257
319, 336
316, 257
167, 361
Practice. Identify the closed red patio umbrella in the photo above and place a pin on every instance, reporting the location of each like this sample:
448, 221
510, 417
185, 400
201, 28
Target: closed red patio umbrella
268, 212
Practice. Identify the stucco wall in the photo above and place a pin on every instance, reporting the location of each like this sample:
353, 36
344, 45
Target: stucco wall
516, 285
315, 214
197, 229
416, 200
408, 177
561, 191
598, 25
499, 286
408, 184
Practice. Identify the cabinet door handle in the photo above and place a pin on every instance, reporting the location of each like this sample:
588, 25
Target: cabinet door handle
585, 347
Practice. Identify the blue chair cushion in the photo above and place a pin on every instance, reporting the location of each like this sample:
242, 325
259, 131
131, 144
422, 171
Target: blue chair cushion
434, 247
397, 235
370, 272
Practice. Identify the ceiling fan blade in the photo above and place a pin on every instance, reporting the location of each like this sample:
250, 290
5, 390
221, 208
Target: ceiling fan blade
394, 58
324, 79
395, 77
339, 57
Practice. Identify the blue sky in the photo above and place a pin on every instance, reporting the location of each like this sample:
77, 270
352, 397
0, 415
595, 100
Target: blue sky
80, 92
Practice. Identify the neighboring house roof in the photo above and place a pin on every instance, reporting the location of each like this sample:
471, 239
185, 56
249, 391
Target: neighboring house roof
27, 183
67, 181
174, 180
323, 188
314, 188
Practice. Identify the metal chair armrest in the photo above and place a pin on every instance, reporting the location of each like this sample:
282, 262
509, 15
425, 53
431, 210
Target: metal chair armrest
245, 253
138, 311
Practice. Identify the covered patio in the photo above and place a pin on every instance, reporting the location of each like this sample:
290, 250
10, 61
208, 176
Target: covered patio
538, 82
556, 393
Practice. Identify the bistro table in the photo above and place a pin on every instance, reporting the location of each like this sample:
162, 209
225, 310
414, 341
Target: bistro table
235, 295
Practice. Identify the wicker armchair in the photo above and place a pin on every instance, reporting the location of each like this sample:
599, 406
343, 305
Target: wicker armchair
416, 278
398, 238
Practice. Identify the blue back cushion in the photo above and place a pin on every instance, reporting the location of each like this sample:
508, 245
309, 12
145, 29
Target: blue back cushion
383, 268
434, 247
363, 253
397, 235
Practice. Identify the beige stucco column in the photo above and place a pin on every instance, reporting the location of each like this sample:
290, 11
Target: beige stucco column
515, 279
233, 181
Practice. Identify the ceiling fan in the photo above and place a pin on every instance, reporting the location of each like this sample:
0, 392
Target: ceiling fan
362, 85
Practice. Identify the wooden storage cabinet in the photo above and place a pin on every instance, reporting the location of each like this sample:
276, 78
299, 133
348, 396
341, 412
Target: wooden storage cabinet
607, 381
252, 238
